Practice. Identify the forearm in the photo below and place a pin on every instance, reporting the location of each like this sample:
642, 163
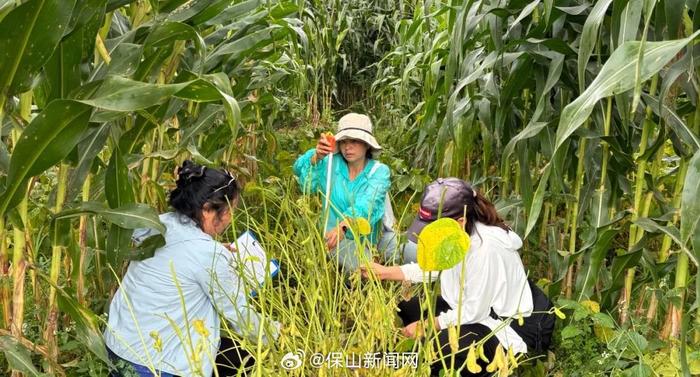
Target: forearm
393, 273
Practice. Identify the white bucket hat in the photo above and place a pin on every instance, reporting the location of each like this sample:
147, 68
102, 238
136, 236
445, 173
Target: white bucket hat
357, 126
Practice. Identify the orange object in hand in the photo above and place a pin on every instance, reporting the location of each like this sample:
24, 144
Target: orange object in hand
330, 139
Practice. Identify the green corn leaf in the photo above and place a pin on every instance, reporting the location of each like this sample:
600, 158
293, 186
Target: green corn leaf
626, 24
690, 206
674, 122
652, 226
45, 142
535, 126
128, 216
537, 200
87, 323
118, 189
4, 159
616, 76
589, 37
168, 32
122, 94
28, 37
527, 10
18, 356
593, 262
88, 149
240, 46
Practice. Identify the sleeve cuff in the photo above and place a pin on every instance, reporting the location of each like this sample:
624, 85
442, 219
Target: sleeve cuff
412, 272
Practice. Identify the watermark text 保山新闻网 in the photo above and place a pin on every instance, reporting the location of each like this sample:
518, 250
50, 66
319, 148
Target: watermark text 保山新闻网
367, 360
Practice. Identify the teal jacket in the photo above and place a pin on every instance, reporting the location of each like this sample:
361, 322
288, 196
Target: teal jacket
362, 197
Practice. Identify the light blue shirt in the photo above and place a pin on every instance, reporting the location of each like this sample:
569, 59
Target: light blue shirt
188, 281
362, 197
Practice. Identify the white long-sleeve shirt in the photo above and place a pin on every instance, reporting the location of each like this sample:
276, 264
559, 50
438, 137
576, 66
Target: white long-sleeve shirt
491, 276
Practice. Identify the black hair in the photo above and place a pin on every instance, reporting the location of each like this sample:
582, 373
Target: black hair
482, 210
199, 188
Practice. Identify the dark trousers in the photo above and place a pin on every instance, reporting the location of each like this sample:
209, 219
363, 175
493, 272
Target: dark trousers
410, 311
231, 358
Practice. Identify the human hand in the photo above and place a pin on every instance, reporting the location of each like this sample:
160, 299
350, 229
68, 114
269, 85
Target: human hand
413, 330
371, 270
325, 145
335, 235
417, 329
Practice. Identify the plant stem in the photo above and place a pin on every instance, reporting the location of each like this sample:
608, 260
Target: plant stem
19, 244
4, 278
696, 336
55, 271
604, 165
578, 182
637, 207
18, 271
82, 232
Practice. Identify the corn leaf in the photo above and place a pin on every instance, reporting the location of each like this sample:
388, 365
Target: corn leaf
45, 142
616, 76
28, 37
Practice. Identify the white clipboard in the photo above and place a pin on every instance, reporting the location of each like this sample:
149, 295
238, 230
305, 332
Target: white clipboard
253, 259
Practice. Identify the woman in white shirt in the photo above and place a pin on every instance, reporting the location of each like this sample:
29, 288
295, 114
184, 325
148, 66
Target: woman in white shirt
489, 286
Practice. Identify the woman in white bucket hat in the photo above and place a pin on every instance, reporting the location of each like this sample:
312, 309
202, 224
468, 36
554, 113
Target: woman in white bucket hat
356, 187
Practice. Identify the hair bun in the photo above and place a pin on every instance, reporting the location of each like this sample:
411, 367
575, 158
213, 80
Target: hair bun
189, 170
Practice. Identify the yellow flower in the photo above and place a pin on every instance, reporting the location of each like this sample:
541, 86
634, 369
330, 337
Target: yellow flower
157, 341
200, 328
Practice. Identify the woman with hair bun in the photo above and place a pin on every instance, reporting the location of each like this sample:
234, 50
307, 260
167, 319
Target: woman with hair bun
164, 318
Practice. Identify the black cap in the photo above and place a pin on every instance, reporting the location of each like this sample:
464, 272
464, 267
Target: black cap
444, 196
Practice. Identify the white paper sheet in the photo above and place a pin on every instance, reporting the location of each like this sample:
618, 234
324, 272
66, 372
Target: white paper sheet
253, 258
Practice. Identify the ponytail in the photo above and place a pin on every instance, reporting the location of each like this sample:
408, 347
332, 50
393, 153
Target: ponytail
482, 210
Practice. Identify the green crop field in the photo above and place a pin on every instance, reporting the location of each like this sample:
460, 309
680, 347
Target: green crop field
579, 119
